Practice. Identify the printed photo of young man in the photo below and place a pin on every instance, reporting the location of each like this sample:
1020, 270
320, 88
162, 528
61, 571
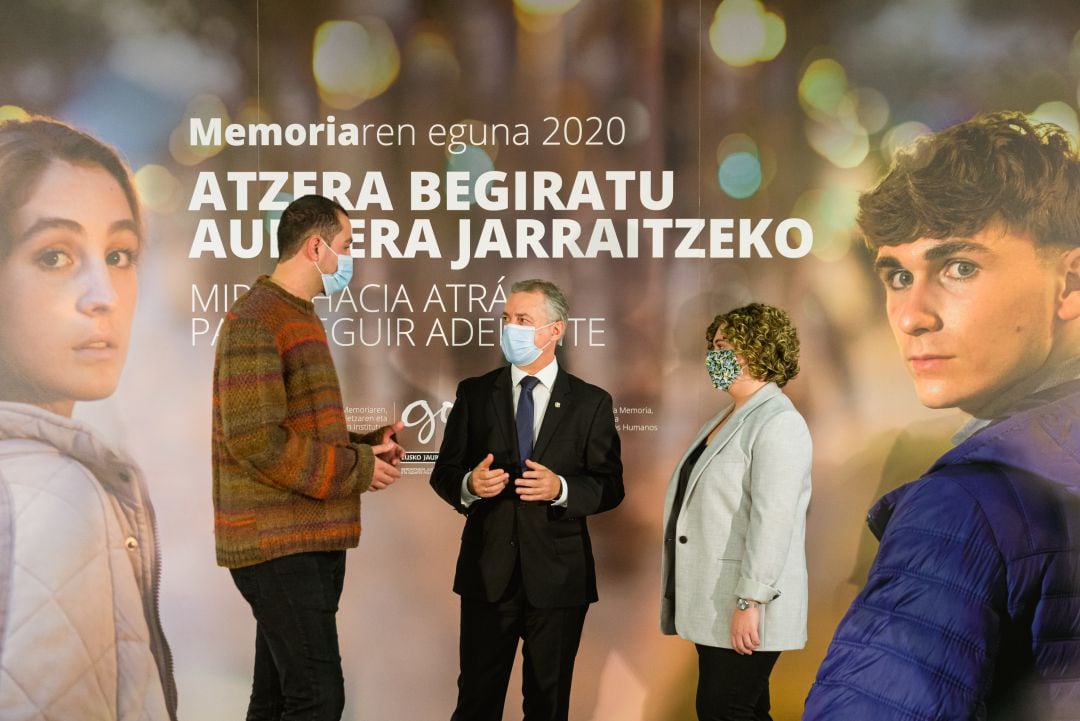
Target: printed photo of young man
972, 606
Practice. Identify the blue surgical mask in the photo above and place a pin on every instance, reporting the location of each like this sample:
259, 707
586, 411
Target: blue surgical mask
518, 344
338, 280
723, 368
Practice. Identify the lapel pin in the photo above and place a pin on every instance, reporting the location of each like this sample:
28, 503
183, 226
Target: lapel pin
558, 404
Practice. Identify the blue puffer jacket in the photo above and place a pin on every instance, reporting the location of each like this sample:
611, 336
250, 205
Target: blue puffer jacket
972, 608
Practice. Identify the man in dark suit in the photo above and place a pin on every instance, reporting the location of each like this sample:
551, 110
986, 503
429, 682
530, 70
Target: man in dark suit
529, 452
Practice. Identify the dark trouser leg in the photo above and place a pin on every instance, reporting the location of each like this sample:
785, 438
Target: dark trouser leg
764, 704
488, 642
266, 700
733, 687
551, 637
294, 600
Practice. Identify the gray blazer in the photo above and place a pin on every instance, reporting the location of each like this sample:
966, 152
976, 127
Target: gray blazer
742, 527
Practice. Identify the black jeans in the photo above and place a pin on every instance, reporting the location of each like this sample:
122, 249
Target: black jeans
733, 687
297, 662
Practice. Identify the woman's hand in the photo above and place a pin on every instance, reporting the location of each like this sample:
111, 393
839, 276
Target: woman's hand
744, 630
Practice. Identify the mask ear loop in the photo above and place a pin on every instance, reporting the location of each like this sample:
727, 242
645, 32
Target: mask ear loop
316, 262
545, 326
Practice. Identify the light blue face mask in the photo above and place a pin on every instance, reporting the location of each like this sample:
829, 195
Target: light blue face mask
723, 368
518, 343
338, 280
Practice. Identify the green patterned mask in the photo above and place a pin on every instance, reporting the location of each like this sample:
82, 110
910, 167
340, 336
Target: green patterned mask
723, 368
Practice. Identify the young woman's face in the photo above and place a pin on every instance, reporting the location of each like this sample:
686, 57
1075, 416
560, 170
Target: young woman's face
68, 289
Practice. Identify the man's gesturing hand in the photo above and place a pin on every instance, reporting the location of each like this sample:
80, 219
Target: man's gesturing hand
395, 452
485, 481
538, 483
385, 473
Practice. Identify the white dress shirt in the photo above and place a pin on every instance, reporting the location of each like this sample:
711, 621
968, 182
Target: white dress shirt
541, 395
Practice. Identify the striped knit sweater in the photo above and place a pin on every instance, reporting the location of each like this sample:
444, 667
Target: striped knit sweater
287, 473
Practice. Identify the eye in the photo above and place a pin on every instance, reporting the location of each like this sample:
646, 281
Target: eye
123, 258
960, 269
53, 258
898, 279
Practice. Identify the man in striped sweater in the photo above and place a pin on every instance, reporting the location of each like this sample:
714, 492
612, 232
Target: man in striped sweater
288, 474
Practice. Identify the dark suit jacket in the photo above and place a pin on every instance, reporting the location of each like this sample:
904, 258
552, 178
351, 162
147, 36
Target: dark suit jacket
577, 441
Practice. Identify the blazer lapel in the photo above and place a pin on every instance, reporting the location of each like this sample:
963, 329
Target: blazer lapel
502, 403
557, 407
727, 432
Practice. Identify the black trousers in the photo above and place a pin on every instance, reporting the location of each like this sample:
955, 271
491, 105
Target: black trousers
488, 644
733, 687
297, 662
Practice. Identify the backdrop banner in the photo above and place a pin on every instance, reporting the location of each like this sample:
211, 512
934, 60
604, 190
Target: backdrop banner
662, 162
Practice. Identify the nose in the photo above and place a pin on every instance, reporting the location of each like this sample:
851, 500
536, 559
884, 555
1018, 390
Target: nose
914, 311
97, 293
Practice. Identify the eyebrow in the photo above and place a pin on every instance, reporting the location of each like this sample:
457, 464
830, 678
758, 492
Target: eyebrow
887, 263
951, 247
43, 224
942, 250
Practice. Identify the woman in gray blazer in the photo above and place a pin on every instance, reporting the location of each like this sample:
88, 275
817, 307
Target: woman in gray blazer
734, 561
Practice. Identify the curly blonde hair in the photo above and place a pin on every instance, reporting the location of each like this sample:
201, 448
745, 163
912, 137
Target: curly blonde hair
764, 336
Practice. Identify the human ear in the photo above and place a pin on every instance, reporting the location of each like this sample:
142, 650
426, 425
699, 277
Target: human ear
1069, 299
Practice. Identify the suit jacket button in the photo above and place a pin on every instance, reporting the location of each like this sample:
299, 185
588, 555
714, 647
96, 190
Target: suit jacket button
513, 542
682, 539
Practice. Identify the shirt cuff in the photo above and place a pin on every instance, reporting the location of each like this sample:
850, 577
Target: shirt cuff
561, 500
755, 591
467, 498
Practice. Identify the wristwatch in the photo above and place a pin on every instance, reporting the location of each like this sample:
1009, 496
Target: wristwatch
742, 604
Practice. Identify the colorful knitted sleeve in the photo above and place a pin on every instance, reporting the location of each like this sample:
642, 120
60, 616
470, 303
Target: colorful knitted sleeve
254, 410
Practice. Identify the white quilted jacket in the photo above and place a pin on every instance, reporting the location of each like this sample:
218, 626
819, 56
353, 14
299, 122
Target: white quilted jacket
80, 638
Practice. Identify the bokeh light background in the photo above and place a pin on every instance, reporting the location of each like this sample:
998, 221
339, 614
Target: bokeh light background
774, 110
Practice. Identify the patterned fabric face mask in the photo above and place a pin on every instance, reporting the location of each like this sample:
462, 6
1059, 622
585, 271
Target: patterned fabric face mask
722, 367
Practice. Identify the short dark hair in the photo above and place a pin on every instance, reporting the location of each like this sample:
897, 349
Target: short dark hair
957, 181
27, 148
764, 336
307, 216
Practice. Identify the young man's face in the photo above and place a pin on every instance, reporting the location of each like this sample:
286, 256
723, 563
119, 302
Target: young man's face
972, 316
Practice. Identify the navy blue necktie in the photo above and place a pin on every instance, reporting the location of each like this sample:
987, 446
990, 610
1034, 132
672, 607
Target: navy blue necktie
524, 419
